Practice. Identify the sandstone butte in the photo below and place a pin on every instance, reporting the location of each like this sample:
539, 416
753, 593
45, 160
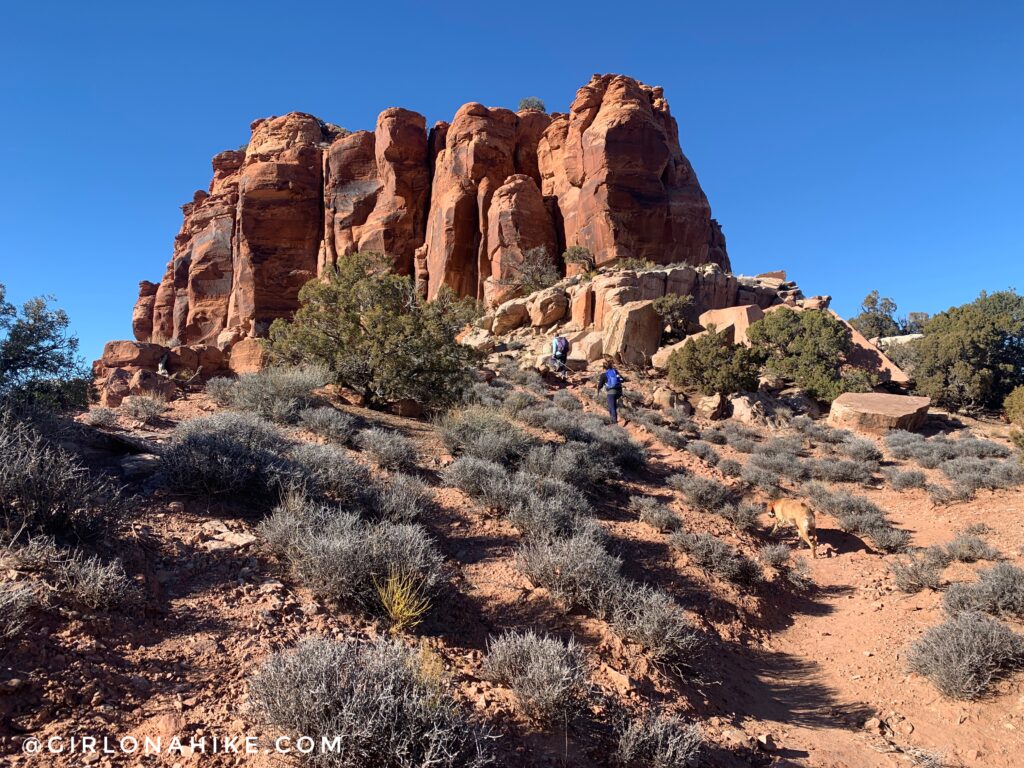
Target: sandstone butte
456, 205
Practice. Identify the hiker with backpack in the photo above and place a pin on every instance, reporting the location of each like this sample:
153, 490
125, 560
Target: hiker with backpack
611, 381
560, 347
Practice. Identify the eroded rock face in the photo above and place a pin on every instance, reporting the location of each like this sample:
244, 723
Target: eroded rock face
623, 186
454, 206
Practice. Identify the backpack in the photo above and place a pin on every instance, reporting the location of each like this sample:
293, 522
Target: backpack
561, 345
612, 379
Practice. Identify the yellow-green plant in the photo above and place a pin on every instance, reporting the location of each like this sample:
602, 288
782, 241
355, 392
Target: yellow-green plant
404, 602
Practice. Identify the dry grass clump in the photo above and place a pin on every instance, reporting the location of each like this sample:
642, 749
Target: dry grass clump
329, 422
743, 515
17, 599
652, 619
780, 456
585, 465
775, 555
762, 478
714, 436
482, 433
905, 480
818, 433
327, 470
999, 590
703, 451
860, 449
100, 417
46, 489
143, 408
919, 570
965, 654
901, 444
703, 493
969, 473
655, 514
277, 394
858, 515
547, 677
730, 468
517, 401
841, 470
576, 570
97, 585
399, 498
715, 556
372, 699
967, 548
219, 388
231, 455
388, 449
657, 740
931, 452
566, 401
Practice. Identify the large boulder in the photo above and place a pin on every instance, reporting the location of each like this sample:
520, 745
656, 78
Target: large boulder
611, 291
509, 316
581, 305
733, 321
248, 356
588, 348
660, 358
877, 413
633, 333
134, 354
547, 307
712, 407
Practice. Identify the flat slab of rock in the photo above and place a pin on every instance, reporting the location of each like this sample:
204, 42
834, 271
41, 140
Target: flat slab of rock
877, 413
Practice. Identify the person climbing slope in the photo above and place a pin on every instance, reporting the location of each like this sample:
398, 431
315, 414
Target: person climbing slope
560, 348
611, 381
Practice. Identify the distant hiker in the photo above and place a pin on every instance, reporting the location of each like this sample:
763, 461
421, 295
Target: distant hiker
611, 381
560, 347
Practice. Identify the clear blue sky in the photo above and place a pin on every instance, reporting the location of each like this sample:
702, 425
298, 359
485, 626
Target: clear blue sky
856, 144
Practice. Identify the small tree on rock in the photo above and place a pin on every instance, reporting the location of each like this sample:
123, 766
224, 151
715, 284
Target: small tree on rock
535, 271
577, 255
378, 337
532, 103
675, 311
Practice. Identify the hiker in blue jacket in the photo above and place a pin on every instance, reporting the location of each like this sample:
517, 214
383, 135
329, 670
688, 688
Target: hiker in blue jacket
611, 382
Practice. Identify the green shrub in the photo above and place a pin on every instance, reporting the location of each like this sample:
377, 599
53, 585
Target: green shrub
1013, 406
532, 103
101, 417
578, 256
902, 481
39, 361
917, 571
326, 471
966, 548
675, 311
704, 493
876, 317
372, 698
143, 408
533, 271
653, 619
972, 356
714, 555
713, 365
548, 677
809, 348
375, 334
578, 571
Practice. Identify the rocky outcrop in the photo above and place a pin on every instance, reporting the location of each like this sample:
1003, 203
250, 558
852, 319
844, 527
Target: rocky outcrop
877, 413
622, 184
633, 333
458, 206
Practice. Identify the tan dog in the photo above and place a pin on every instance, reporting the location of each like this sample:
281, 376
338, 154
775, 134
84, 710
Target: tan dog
797, 514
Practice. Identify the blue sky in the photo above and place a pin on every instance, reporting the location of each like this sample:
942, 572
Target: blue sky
858, 145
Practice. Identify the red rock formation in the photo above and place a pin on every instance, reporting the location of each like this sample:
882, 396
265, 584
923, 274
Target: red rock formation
624, 187
517, 222
457, 206
375, 190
